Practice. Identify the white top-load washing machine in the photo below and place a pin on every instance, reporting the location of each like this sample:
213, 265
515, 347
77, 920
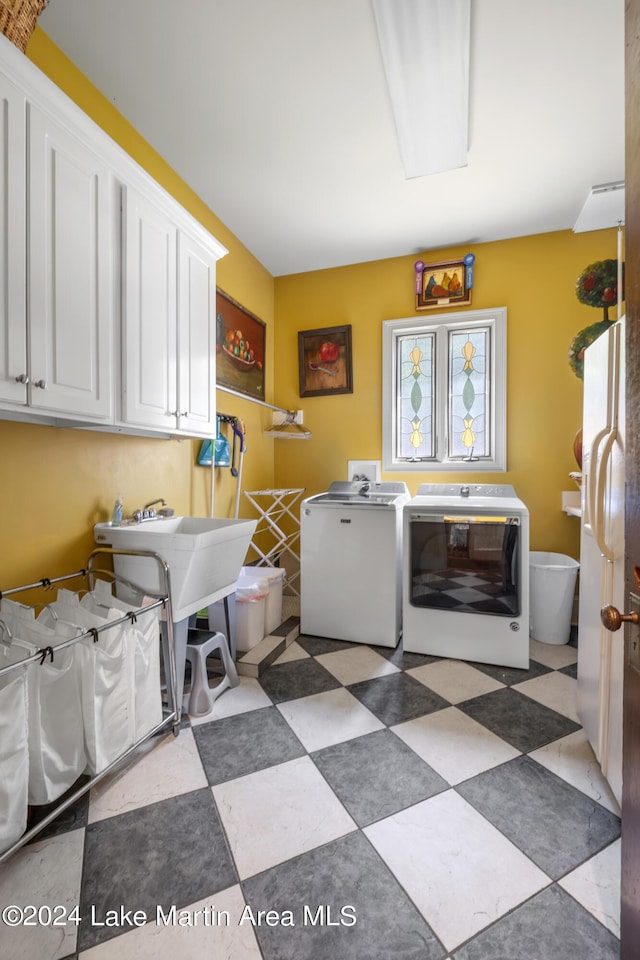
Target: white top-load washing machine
466, 573
351, 562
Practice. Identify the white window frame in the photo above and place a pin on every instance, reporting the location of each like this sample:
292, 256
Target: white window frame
441, 324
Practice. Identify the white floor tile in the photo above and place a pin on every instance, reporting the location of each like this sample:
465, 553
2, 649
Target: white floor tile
293, 652
171, 768
596, 885
207, 936
460, 871
248, 696
356, 664
278, 813
46, 873
573, 759
554, 655
555, 690
327, 718
454, 745
455, 680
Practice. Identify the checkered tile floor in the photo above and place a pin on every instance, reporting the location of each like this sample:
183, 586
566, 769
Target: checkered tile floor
452, 810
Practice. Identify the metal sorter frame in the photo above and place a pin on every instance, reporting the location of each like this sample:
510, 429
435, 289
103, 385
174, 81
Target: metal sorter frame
173, 713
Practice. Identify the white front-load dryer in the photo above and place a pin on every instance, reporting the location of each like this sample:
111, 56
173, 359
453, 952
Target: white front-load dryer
351, 562
466, 574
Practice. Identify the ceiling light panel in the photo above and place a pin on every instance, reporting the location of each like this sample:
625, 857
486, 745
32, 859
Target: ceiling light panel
425, 50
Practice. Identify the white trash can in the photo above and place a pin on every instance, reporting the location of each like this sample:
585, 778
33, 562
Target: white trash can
552, 583
275, 578
250, 602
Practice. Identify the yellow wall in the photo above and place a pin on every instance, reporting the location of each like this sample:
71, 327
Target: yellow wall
534, 277
56, 483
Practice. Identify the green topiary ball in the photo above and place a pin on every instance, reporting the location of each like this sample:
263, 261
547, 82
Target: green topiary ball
597, 285
580, 343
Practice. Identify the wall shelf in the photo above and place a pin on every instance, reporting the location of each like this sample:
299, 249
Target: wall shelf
571, 503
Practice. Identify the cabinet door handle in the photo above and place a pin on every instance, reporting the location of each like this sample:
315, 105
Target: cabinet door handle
41, 384
185, 414
23, 378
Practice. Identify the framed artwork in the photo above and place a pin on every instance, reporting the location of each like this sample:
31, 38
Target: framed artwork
324, 361
445, 284
240, 348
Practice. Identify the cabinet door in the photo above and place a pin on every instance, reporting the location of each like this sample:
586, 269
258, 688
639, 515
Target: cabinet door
149, 336
70, 282
13, 331
196, 336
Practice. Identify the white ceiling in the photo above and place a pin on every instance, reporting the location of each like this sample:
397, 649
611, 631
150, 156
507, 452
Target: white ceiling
276, 113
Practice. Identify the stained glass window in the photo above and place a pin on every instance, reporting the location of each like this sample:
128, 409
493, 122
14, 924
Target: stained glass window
469, 389
415, 378
444, 392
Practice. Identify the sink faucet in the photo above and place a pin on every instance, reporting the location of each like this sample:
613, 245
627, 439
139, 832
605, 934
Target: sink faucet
148, 512
148, 506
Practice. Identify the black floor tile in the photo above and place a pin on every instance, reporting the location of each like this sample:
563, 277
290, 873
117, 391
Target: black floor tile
518, 719
397, 697
571, 670
399, 657
344, 874
557, 826
73, 817
377, 775
298, 678
511, 675
172, 852
235, 746
315, 646
550, 926
285, 628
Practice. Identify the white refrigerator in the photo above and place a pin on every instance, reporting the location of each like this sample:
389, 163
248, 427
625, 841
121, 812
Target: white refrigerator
600, 652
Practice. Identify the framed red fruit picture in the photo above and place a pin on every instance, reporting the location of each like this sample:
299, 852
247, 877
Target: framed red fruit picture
240, 348
324, 361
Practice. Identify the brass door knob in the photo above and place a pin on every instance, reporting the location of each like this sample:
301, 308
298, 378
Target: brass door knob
612, 619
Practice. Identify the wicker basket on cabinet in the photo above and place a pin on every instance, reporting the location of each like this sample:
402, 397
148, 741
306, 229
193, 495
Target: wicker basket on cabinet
18, 19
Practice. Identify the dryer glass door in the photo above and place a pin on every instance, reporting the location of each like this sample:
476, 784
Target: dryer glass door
464, 563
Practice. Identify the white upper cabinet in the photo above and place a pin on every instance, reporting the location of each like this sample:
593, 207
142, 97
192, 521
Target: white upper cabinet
196, 335
168, 320
70, 278
107, 285
149, 325
13, 251
56, 263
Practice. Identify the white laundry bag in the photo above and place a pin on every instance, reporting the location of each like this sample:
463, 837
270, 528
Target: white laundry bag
14, 749
56, 742
144, 634
106, 664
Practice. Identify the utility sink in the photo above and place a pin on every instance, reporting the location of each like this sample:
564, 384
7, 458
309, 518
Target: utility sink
204, 556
